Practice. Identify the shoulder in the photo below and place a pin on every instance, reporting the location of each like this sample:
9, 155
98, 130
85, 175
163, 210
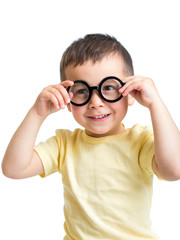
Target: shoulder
139, 135
140, 130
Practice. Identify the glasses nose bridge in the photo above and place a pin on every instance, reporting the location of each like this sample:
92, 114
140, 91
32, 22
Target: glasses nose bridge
97, 88
95, 100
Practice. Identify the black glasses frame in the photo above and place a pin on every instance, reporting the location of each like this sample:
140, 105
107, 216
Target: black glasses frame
98, 88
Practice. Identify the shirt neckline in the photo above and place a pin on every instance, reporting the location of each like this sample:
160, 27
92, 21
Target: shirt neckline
95, 140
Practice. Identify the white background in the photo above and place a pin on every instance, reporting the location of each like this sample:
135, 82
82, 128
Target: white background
34, 35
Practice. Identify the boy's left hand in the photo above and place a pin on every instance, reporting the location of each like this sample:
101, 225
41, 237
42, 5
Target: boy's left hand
166, 161
142, 89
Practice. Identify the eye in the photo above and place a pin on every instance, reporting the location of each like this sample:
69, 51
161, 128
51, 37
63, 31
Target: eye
81, 91
109, 88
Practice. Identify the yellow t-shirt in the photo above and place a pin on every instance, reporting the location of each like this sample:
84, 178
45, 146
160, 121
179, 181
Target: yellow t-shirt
107, 182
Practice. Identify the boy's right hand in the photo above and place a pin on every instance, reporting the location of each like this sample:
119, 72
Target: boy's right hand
20, 159
52, 99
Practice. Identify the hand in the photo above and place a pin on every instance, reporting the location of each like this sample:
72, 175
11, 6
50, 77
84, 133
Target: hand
52, 99
142, 89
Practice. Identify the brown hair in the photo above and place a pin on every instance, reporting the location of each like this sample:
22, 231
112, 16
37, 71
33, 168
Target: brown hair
94, 47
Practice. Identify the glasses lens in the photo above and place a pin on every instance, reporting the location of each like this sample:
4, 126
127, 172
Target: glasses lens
79, 93
110, 89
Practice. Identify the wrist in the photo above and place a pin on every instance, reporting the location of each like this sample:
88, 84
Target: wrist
156, 104
40, 119
157, 110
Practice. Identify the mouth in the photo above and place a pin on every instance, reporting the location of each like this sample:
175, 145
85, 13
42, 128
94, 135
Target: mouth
99, 117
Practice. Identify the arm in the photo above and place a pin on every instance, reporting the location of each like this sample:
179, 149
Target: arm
166, 162
20, 159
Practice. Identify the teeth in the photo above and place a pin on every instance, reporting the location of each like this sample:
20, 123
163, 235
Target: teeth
99, 117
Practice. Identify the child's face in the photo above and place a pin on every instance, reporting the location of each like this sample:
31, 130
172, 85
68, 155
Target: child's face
98, 117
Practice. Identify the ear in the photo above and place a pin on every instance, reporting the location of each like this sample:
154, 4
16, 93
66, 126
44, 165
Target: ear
69, 107
131, 100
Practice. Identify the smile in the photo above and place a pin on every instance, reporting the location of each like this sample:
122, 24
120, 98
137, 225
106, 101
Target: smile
100, 116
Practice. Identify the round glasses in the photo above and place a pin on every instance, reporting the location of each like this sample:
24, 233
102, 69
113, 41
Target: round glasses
80, 93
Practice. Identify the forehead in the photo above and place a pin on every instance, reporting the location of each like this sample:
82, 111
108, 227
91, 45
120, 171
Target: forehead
93, 73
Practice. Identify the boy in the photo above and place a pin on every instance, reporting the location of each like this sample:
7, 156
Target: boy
106, 169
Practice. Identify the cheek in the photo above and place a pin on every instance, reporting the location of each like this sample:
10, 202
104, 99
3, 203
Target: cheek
77, 112
121, 106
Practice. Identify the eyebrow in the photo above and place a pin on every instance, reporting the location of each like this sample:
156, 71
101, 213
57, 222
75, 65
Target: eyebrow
99, 81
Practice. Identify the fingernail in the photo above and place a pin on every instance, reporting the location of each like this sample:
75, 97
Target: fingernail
62, 106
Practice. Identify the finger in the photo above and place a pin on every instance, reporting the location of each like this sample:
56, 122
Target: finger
127, 82
62, 90
50, 97
131, 86
71, 95
58, 95
125, 86
67, 83
61, 93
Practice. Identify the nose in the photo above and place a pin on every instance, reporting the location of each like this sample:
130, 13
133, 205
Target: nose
96, 101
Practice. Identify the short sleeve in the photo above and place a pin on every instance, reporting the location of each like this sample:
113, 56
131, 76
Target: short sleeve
147, 151
53, 152
49, 154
